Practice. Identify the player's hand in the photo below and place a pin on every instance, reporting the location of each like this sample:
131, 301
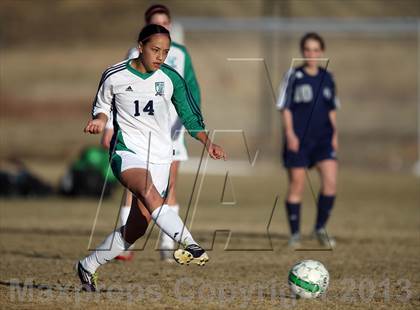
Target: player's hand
215, 151
293, 142
95, 126
334, 141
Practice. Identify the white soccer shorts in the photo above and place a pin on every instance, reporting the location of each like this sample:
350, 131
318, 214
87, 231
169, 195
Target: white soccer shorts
124, 160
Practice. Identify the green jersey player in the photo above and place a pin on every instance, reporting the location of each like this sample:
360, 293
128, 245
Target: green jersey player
141, 91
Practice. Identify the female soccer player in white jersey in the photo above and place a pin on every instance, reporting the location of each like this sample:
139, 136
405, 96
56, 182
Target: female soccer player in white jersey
308, 103
179, 59
141, 92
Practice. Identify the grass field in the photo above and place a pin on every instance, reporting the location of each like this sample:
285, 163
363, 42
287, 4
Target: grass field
375, 265
51, 59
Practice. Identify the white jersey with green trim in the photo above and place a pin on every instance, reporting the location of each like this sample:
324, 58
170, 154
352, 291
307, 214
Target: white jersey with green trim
141, 105
175, 59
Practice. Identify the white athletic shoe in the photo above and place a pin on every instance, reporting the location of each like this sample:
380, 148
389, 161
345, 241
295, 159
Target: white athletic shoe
294, 241
191, 254
323, 238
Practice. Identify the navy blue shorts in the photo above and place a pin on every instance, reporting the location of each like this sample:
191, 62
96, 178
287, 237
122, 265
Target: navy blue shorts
310, 152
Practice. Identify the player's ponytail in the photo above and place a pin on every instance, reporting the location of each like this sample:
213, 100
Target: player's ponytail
149, 30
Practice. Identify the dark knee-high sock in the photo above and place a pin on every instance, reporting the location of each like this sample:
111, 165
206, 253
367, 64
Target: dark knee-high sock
293, 216
325, 204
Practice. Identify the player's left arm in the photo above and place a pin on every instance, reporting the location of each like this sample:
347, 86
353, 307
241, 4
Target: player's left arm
191, 117
191, 79
333, 119
332, 114
186, 107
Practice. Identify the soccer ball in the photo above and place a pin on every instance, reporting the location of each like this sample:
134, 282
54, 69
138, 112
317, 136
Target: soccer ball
308, 279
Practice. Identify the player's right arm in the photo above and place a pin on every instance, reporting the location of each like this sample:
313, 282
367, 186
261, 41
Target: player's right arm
97, 124
107, 136
101, 106
283, 104
291, 137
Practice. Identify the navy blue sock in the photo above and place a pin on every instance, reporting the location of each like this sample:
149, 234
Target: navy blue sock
293, 216
325, 204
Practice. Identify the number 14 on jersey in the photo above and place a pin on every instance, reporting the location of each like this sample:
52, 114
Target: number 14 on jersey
148, 108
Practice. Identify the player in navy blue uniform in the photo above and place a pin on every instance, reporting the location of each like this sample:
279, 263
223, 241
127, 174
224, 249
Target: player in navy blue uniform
308, 106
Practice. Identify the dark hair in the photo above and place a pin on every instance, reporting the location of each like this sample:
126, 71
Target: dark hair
156, 9
311, 36
149, 30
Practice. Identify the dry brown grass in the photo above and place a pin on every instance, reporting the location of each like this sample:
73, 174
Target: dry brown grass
376, 222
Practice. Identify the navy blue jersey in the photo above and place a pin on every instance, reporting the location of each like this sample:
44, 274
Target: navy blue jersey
310, 99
